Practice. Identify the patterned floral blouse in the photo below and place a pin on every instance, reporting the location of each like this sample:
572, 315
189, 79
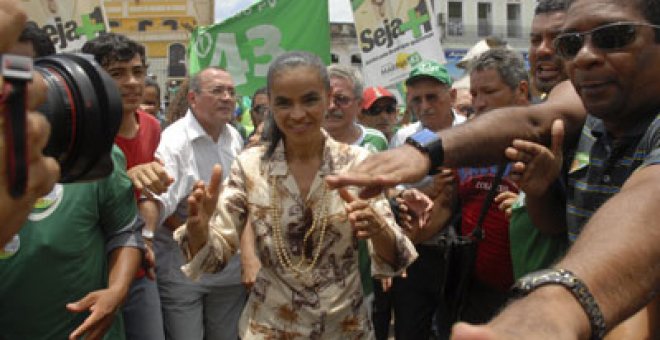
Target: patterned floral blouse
327, 301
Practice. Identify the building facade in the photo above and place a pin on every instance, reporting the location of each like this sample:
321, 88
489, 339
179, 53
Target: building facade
462, 23
163, 27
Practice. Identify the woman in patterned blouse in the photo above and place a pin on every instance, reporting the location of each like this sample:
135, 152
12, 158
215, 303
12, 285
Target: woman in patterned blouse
305, 234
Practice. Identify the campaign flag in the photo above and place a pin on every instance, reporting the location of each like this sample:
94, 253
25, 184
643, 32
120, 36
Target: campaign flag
393, 36
247, 43
69, 24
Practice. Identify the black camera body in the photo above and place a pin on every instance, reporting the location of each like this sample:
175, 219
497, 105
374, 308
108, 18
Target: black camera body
83, 107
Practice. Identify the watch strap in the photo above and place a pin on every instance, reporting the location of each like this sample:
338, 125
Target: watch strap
429, 143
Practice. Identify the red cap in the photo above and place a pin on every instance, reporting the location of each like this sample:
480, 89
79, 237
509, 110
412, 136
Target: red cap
372, 94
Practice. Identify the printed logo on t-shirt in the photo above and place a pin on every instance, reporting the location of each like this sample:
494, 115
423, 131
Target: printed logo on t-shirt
46, 205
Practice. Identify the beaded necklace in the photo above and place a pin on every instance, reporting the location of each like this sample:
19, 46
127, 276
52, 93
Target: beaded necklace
320, 220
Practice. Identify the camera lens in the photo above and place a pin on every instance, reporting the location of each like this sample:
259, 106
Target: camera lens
84, 109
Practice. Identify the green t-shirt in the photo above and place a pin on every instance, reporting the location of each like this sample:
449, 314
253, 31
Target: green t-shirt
530, 249
62, 256
374, 141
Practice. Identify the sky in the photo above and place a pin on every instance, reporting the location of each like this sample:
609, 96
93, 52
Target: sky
340, 10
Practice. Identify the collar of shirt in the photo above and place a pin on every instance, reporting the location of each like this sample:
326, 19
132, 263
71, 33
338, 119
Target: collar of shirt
196, 131
279, 167
598, 128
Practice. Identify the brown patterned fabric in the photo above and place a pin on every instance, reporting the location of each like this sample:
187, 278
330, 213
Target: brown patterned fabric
324, 303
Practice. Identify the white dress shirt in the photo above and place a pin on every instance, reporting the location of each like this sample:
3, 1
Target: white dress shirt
189, 154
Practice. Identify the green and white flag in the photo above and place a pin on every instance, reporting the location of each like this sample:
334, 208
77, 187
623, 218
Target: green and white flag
247, 43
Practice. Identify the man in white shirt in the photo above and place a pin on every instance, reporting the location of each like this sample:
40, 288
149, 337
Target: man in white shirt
210, 307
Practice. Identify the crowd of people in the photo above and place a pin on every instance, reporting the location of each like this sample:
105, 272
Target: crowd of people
329, 219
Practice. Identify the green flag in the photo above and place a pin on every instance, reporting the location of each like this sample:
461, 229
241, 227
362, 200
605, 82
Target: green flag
247, 43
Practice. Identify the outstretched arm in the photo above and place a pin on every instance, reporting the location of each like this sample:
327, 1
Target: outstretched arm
103, 304
478, 142
617, 257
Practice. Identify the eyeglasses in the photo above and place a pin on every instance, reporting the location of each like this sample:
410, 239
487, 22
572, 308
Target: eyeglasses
605, 38
260, 109
375, 110
220, 90
342, 101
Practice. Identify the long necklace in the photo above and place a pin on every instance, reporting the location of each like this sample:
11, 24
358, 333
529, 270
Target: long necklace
320, 221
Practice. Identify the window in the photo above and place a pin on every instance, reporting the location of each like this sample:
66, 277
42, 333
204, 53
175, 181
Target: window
176, 61
356, 60
484, 19
455, 18
513, 21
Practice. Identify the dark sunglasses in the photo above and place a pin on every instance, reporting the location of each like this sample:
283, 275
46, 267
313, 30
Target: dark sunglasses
605, 38
260, 109
375, 110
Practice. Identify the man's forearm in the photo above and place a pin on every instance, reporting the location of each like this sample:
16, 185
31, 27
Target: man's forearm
150, 212
482, 140
616, 256
617, 253
123, 264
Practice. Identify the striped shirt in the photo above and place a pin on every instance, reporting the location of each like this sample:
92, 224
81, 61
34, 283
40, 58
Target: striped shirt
602, 164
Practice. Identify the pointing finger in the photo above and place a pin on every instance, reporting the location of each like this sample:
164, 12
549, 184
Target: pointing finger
214, 184
346, 195
557, 133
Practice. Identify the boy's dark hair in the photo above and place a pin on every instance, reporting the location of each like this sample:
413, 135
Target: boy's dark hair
41, 42
112, 47
261, 90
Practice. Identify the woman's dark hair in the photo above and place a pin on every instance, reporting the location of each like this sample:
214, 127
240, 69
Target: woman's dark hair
178, 106
283, 62
150, 82
261, 90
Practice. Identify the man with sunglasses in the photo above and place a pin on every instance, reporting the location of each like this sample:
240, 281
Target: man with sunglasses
259, 107
611, 271
379, 110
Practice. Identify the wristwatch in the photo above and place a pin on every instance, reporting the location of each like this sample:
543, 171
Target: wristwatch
147, 234
568, 280
430, 143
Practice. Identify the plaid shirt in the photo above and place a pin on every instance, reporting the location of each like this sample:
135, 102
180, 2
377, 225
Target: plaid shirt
601, 165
